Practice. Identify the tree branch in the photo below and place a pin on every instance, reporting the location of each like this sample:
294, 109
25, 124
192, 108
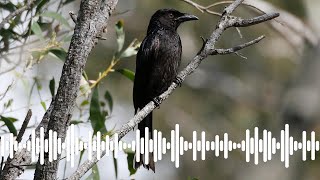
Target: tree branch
288, 25
24, 126
224, 23
92, 19
236, 48
17, 12
15, 167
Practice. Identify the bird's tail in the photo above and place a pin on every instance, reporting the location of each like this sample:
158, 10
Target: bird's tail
146, 122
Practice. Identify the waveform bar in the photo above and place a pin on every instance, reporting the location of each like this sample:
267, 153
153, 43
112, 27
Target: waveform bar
267, 146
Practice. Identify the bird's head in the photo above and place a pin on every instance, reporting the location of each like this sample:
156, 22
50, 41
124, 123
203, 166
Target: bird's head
169, 19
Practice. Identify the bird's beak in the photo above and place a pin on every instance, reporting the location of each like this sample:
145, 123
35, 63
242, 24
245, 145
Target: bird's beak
186, 17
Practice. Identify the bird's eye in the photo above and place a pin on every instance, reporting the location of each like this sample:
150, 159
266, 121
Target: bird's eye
171, 15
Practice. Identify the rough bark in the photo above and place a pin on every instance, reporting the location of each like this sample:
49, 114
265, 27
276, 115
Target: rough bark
91, 21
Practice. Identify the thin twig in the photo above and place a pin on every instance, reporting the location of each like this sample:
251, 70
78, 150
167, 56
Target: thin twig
202, 8
24, 126
17, 12
73, 16
295, 26
236, 48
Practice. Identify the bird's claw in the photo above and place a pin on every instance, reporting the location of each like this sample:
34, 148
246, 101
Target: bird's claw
156, 101
178, 80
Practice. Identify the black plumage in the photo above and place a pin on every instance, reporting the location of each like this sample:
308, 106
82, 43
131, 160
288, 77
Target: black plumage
157, 64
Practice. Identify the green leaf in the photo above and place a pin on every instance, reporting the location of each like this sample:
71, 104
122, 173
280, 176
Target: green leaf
84, 85
115, 166
120, 34
38, 55
8, 6
40, 4
52, 86
94, 173
8, 104
43, 104
81, 156
37, 30
130, 159
75, 122
96, 118
108, 98
56, 16
59, 53
67, 38
68, 1
38, 83
192, 178
127, 73
8, 122
131, 50
84, 103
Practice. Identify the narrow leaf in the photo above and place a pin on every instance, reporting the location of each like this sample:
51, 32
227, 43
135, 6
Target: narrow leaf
120, 34
8, 104
59, 53
75, 122
52, 86
108, 98
94, 173
96, 118
81, 156
8, 122
41, 4
43, 104
130, 159
115, 165
127, 73
84, 103
131, 50
37, 30
56, 16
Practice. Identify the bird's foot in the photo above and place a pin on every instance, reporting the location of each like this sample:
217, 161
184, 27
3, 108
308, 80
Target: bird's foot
156, 101
178, 80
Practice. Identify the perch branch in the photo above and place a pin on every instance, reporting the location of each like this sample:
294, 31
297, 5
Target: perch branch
225, 22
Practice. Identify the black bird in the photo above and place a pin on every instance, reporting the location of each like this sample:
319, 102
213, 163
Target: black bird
157, 64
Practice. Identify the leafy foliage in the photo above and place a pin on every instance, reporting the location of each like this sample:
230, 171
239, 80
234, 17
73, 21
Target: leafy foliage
127, 73
94, 173
120, 34
8, 121
36, 29
130, 159
52, 86
108, 98
57, 17
96, 117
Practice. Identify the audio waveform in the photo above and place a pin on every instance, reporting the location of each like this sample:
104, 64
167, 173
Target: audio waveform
159, 145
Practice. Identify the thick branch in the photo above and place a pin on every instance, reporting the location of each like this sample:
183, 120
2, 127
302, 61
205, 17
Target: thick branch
208, 47
228, 10
17, 12
91, 21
